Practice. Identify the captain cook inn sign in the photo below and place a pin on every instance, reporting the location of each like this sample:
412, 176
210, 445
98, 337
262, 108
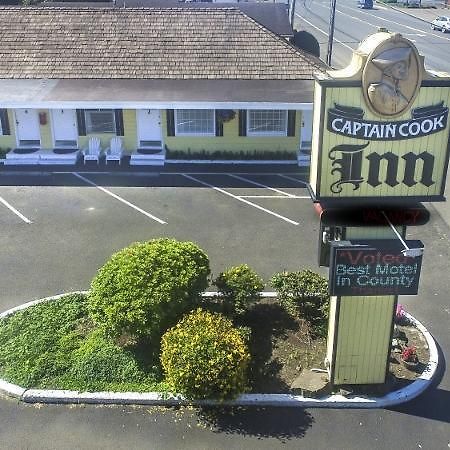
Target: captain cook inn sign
381, 126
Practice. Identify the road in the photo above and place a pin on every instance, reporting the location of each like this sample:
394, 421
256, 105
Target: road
352, 25
73, 226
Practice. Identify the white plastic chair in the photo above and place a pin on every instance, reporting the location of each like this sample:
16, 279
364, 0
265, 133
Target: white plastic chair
94, 150
115, 151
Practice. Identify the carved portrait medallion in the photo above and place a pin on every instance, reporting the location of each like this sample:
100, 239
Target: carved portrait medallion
392, 76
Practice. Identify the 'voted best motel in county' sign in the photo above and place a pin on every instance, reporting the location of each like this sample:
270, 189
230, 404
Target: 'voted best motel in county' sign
381, 127
376, 267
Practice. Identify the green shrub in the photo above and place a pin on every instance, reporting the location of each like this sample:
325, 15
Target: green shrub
100, 360
238, 287
303, 294
36, 343
204, 356
146, 287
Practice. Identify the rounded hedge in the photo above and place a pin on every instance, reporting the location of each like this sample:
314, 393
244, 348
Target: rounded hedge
239, 287
204, 356
146, 287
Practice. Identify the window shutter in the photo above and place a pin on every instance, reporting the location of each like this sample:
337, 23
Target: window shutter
242, 122
118, 116
170, 115
81, 121
291, 123
219, 123
5, 122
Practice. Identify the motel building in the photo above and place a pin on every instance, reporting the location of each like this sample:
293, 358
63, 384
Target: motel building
141, 86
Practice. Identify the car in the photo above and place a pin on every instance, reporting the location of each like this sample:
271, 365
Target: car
365, 4
441, 23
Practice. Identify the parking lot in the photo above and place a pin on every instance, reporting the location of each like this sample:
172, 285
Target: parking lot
59, 227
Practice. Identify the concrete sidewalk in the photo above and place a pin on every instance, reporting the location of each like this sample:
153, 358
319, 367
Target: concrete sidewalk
424, 14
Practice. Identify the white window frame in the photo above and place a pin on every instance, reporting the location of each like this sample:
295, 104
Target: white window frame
250, 132
88, 121
195, 133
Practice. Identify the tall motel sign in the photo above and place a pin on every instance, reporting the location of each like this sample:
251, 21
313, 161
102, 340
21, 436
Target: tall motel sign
380, 146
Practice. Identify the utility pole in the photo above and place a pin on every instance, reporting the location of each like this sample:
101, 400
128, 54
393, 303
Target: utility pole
292, 13
331, 31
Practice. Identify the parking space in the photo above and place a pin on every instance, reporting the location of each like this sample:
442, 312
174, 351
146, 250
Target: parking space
248, 189
77, 220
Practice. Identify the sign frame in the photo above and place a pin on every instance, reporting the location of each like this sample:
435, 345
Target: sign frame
374, 260
316, 185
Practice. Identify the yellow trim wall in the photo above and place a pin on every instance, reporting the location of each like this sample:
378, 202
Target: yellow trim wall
230, 141
9, 141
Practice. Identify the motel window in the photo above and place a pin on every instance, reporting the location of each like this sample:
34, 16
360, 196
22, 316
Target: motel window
100, 121
198, 122
267, 122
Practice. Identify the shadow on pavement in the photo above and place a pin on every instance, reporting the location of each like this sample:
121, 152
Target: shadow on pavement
287, 423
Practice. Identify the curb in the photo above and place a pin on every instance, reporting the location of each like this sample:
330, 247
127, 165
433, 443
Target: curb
256, 162
402, 10
155, 398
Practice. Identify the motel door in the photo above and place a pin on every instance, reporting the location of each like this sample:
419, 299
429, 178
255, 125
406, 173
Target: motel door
149, 128
64, 124
306, 130
27, 128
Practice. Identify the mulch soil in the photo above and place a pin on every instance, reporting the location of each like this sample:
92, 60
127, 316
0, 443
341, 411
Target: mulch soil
283, 346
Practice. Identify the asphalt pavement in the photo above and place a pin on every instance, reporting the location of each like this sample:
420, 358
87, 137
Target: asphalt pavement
73, 228
425, 14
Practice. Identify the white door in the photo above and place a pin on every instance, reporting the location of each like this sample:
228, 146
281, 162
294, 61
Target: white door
149, 128
64, 124
27, 128
306, 130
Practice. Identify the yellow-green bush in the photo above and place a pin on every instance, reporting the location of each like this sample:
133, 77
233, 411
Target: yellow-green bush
238, 286
147, 287
204, 356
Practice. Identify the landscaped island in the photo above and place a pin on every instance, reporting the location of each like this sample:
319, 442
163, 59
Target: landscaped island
145, 325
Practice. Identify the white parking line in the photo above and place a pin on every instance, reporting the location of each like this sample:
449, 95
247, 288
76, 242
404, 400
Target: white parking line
14, 210
259, 184
120, 199
275, 196
292, 179
240, 199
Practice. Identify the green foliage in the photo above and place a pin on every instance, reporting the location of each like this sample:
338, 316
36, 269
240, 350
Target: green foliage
146, 287
52, 345
36, 343
204, 356
304, 294
99, 361
238, 287
231, 155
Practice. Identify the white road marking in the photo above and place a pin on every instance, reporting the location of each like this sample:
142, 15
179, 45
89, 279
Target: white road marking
243, 200
292, 179
307, 185
259, 184
324, 32
120, 199
14, 210
416, 30
275, 196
